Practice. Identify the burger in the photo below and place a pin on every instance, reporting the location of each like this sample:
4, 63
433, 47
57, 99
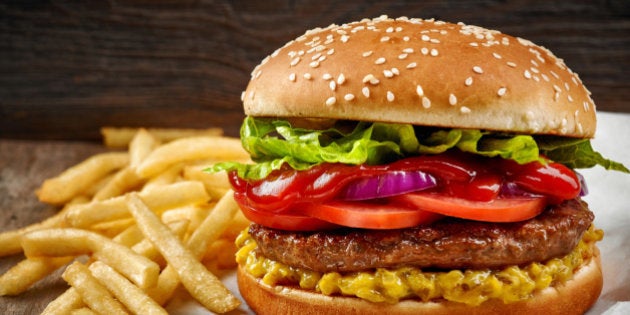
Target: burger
405, 166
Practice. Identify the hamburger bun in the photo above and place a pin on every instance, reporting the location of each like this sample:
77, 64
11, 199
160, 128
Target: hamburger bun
573, 297
422, 72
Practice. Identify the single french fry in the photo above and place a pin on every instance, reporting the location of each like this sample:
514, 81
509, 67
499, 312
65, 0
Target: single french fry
213, 226
131, 296
120, 137
10, 240
65, 303
124, 180
75, 242
190, 149
92, 292
24, 274
76, 179
140, 147
112, 228
159, 198
200, 283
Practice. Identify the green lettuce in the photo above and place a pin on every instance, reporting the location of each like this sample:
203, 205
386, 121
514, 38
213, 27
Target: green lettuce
272, 143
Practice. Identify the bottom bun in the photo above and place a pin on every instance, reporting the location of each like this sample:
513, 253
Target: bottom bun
575, 296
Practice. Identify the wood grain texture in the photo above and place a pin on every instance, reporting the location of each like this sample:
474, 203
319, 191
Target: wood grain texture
67, 68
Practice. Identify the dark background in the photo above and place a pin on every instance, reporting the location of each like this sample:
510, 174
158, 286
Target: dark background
69, 67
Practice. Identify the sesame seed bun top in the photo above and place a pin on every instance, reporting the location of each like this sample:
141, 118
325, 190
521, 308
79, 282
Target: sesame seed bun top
423, 72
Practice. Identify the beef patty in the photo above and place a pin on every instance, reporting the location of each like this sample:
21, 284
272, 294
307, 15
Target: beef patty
447, 244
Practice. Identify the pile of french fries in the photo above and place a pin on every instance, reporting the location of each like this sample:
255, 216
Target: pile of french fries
133, 225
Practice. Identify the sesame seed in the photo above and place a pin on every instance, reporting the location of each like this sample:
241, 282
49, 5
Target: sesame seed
388, 73
464, 110
424, 51
527, 74
534, 70
344, 38
474, 44
496, 55
402, 56
556, 96
326, 76
435, 40
321, 58
367, 53
419, 90
332, 85
384, 39
425, 38
389, 30
412, 65
366, 91
330, 51
545, 77
370, 78
469, 81
348, 97
566, 86
501, 91
406, 38
511, 64
331, 101
341, 79
570, 98
452, 99
395, 71
308, 76
408, 50
477, 69
426, 102
380, 61
434, 52
292, 77
314, 64
399, 29
557, 88
555, 75
390, 96
295, 61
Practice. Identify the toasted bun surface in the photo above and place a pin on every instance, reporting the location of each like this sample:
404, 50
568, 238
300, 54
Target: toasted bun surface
574, 297
422, 72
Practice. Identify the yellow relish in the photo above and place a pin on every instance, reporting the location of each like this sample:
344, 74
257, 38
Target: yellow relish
472, 287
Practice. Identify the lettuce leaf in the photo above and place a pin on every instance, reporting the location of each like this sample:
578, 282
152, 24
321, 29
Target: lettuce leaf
575, 153
273, 143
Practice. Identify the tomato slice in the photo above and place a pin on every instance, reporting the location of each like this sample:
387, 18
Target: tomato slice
497, 210
283, 221
370, 215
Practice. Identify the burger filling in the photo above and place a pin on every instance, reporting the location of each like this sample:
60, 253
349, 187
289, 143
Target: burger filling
394, 211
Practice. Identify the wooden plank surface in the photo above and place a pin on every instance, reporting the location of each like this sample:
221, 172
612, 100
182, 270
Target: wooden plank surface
68, 67
23, 167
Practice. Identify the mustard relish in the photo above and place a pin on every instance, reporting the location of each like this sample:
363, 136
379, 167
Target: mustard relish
472, 287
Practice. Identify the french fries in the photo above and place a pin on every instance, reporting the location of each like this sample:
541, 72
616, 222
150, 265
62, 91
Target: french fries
201, 284
147, 219
93, 293
78, 178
